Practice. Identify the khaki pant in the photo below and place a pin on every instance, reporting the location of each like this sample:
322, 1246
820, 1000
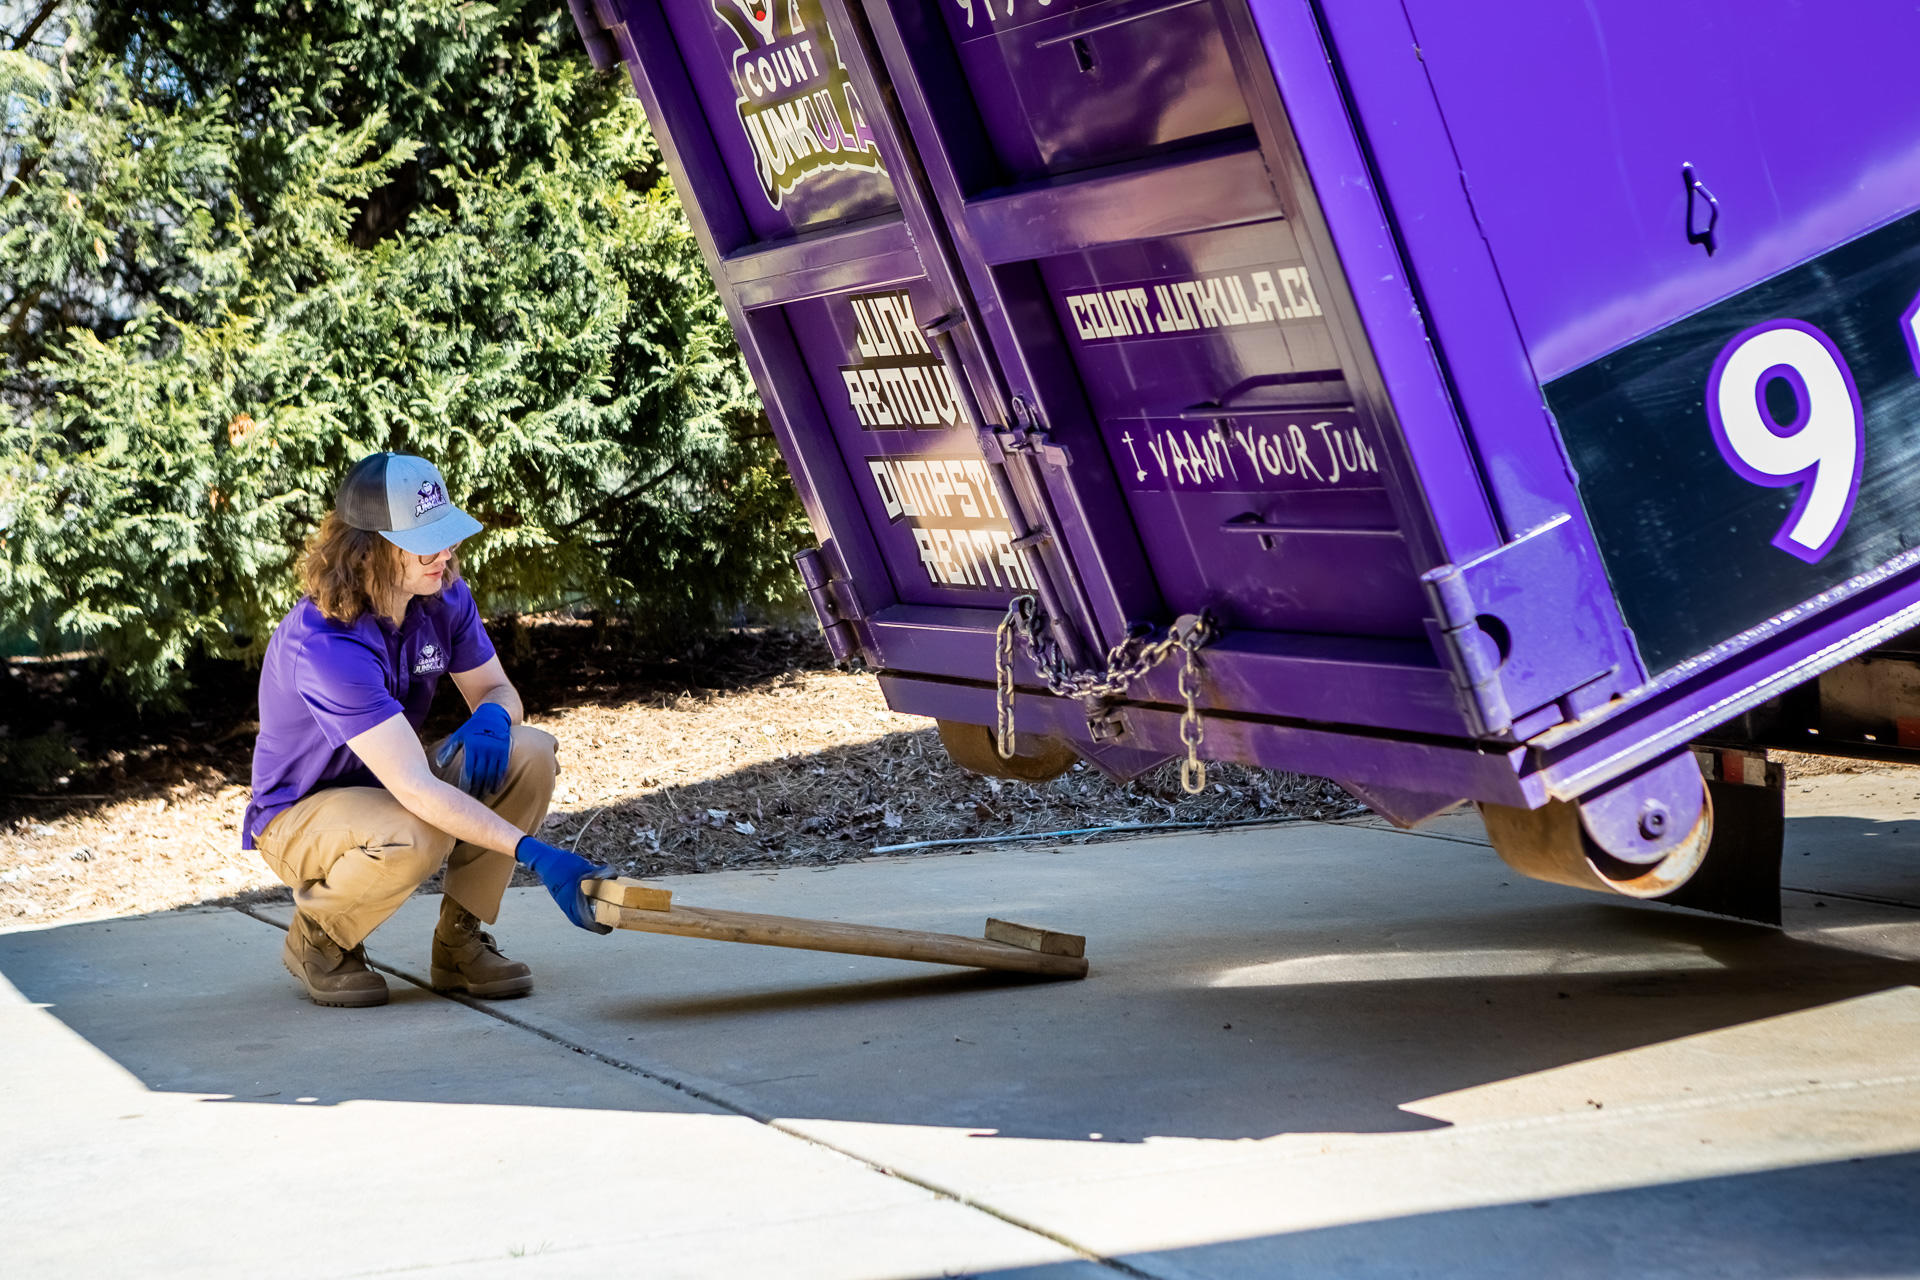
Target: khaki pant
352, 855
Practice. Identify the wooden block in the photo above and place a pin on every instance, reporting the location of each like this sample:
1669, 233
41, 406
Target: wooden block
1045, 941
628, 892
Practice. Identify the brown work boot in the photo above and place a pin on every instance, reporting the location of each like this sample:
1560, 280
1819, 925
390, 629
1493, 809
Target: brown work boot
332, 974
465, 958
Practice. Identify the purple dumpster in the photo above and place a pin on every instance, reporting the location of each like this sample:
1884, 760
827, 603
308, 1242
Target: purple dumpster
1510, 402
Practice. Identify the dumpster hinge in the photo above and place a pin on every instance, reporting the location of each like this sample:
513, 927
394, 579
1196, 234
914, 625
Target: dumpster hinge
1472, 656
834, 604
1527, 632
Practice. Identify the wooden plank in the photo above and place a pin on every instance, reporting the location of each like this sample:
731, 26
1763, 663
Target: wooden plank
628, 892
848, 939
1033, 939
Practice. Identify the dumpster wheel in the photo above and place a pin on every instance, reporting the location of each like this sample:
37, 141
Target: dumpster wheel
971, 746
1550, 843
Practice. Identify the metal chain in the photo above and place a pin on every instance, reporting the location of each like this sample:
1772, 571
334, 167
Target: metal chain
1193, 773
1127, 662
1003, 669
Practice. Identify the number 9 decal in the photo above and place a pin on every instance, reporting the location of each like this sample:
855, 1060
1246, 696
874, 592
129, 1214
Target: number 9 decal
1821, 449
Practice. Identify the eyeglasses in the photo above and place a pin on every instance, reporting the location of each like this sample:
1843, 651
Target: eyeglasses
425, 560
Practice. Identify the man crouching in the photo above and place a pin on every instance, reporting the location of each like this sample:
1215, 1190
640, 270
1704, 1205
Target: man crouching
347, 808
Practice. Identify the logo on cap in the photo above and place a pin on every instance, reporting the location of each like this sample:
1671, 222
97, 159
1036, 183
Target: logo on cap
428, 497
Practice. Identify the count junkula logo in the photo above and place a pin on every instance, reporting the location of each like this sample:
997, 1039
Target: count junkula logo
801, 114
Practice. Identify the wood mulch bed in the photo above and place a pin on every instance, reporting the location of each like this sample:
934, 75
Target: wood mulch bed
748, 750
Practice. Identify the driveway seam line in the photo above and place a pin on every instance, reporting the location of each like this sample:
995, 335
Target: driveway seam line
1869, 898
716, 1098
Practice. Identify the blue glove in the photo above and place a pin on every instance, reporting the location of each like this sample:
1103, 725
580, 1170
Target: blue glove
562, 873
487, 738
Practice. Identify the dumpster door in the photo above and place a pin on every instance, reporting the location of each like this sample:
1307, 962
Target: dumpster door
818, 251
1125, 201
1157, 365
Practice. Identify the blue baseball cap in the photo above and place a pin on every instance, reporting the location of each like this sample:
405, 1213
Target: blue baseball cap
404, 500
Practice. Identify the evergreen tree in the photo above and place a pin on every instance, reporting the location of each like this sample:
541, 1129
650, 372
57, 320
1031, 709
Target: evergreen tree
243, 244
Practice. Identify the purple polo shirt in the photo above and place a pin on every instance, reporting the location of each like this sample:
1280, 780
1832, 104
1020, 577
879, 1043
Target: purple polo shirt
324, 682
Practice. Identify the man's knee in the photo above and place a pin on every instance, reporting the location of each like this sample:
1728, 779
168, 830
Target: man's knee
535, 751
531, 770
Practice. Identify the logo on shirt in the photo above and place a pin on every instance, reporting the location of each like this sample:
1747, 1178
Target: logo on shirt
432, 659
427, 497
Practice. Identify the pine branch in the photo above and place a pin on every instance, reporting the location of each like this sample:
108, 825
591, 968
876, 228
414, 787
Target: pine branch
624, 494
46, 11
18, 183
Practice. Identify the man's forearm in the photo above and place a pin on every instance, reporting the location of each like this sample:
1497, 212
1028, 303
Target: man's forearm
459, 815
508, 697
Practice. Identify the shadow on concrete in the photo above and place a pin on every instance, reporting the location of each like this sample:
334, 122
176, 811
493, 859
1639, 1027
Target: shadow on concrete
198, 1003
1815, 1222
826, 995
1131, 1055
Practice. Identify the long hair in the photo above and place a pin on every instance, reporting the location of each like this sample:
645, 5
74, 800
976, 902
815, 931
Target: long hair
347, 570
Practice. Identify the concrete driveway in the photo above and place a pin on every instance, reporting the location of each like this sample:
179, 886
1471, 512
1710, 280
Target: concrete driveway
1304, 1050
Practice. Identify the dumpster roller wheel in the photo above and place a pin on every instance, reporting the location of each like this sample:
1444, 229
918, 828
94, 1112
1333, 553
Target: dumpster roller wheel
1552, 843
972, 747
